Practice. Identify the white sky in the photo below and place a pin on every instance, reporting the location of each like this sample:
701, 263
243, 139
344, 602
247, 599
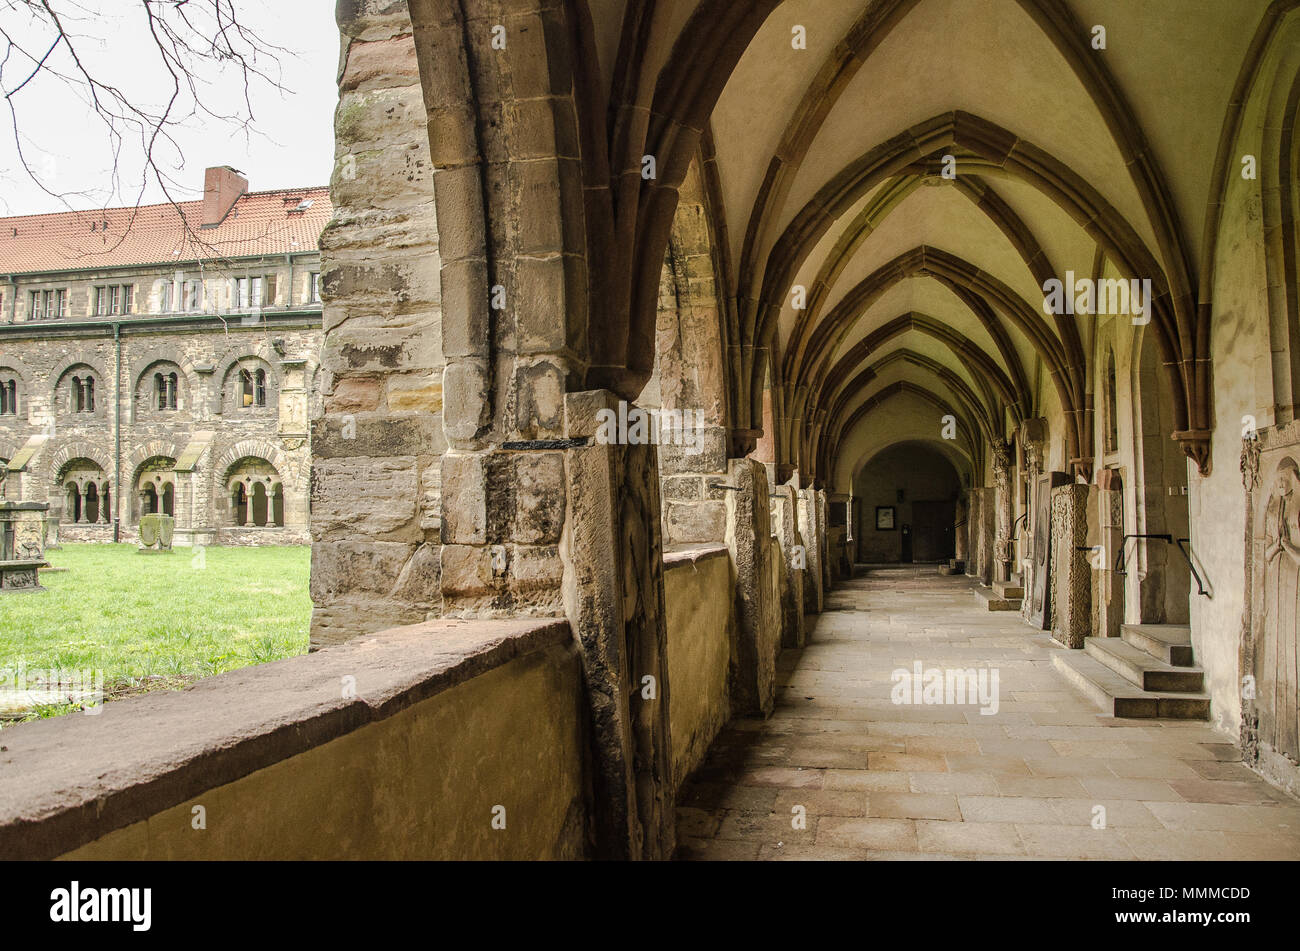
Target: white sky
293, 141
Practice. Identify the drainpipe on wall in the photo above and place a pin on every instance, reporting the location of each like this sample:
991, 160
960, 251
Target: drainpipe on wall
117, 430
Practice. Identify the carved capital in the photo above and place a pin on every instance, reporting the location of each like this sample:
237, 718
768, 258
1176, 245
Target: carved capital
1196, 446
743, 442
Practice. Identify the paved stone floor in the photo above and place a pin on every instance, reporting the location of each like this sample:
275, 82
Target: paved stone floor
878, 780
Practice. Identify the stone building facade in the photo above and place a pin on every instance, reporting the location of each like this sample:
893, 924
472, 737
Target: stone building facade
163, 359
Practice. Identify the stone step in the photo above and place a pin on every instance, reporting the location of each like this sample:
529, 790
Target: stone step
994, 602
1141, 669
1171, 643
1119, 698
1009, 589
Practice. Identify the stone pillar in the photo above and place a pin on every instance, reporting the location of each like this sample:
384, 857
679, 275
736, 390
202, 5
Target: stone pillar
1108, 512
248, 505
1033, 436
823, 544
785, 525
613, 595
1004, 489
1071, 566
757, 636
813, 590
961, 530
105, 516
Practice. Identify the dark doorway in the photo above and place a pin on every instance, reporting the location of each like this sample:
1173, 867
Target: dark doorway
932, 530
907, 544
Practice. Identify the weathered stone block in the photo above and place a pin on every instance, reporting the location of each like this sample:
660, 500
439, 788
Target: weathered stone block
464, 499
539, 498
415, 393
362, 496
466, 571
356, 567
688, 522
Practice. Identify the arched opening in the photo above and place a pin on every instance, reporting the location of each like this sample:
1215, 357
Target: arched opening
1157, 569
256, 494
92, 503
168, 499
259, 504
905, 506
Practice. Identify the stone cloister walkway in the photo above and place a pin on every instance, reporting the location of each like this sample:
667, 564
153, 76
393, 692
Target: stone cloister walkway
884, 781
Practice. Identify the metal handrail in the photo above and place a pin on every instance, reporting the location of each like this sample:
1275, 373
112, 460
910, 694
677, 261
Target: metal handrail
1121, 560
1187, 556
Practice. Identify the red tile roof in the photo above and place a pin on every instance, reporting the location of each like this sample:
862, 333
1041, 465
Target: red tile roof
260, 223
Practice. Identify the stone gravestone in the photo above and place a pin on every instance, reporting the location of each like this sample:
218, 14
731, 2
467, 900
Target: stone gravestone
156, 532
22, 539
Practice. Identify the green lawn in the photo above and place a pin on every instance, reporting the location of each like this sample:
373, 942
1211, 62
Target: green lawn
159, 620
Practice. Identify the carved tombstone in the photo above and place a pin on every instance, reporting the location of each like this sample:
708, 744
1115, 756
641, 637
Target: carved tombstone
22, 540
1270, 651
156, 532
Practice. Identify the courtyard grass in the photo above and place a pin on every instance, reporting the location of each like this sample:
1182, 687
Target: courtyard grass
159, 620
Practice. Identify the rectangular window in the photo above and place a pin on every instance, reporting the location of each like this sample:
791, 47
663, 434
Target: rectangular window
61, 303
193, 294
313, 295
165, 299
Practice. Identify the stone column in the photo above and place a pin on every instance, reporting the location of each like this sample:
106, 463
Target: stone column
757, 637
1003, 473
84, 492
1108, 512
813, 590
785, 525
613, 594
961, 526
105, 516
248, 505
1033, 433
823, 543
1071, 567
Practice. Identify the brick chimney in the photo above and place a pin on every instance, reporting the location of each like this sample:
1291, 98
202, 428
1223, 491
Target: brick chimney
222, 187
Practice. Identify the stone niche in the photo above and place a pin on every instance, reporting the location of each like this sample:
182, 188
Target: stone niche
1270, 687
22, 545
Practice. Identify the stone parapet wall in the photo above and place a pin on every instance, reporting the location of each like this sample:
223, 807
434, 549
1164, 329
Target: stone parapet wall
255, 750
697, 595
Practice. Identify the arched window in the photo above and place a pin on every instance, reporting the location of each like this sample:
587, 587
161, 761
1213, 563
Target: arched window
83, 394
171, 390
160, 390
261, 387
246, 396
8, 398
1112, 406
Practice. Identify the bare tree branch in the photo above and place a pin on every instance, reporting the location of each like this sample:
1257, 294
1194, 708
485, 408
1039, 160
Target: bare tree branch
193, 52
